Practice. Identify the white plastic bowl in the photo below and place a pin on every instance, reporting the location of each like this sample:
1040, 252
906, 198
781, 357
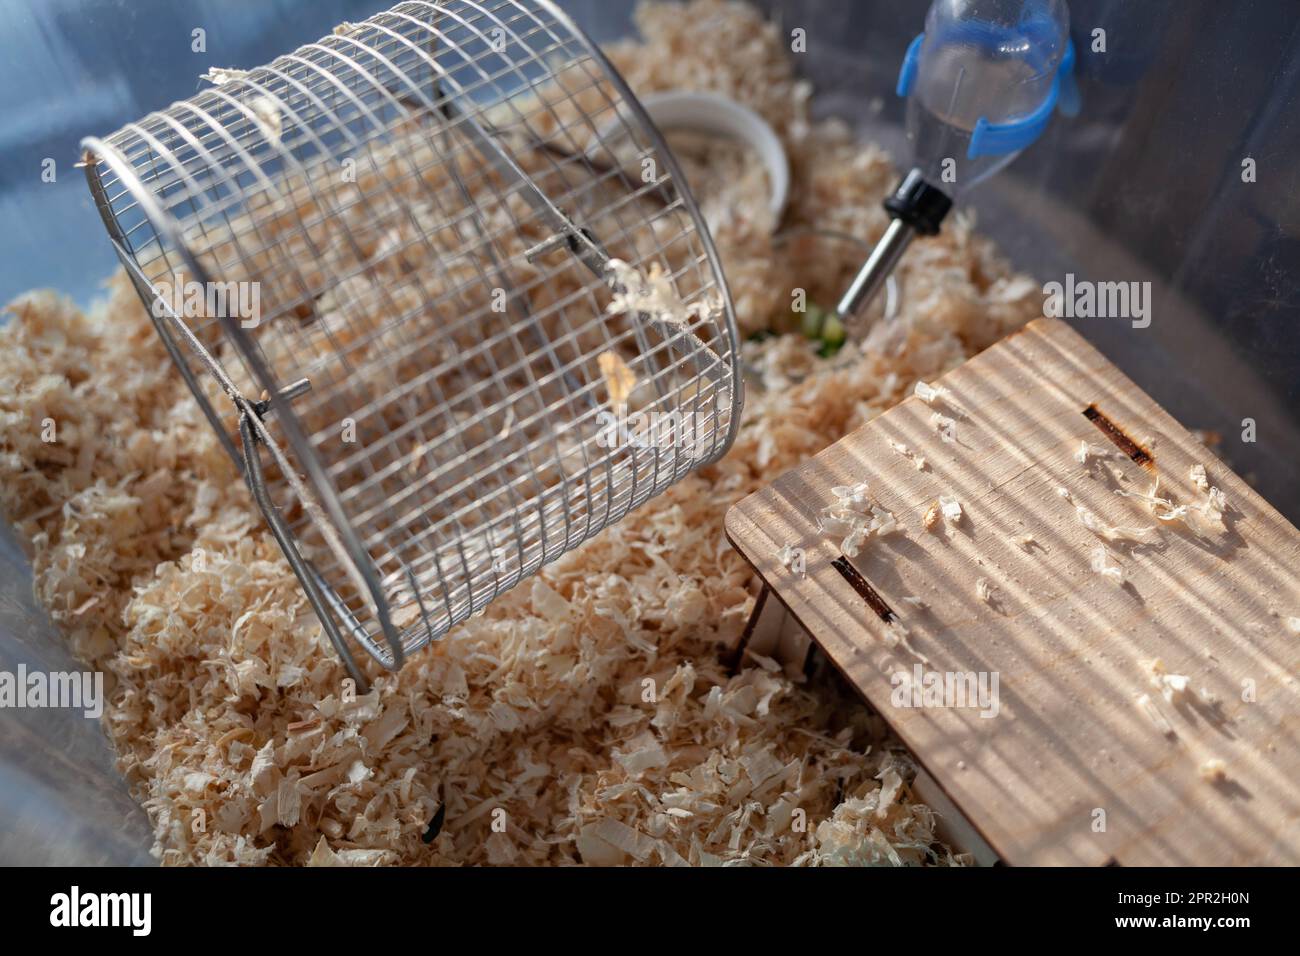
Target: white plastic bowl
724, 117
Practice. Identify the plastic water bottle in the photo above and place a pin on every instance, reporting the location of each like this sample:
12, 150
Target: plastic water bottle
981, 84
990, 61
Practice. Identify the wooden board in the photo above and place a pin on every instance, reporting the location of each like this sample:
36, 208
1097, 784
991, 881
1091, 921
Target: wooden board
1068, 743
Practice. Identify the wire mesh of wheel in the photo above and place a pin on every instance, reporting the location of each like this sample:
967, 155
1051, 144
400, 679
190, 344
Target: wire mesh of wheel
449, 275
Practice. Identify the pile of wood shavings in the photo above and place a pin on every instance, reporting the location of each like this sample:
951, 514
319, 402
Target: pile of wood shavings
587, 716
855, 515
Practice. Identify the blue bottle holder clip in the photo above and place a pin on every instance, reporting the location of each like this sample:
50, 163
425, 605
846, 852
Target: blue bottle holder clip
907, 75
996, 139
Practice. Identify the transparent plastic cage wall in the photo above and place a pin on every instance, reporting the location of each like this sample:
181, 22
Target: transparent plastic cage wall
400, 239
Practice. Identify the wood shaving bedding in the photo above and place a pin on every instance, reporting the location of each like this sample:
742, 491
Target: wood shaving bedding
533, 733
724, 175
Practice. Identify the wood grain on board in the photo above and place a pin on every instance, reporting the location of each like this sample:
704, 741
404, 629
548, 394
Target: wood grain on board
1068, 739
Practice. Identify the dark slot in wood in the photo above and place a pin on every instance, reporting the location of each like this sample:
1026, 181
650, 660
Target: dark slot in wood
1117, 436
864, 589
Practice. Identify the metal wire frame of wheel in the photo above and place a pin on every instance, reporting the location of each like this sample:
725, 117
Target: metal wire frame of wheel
428, 203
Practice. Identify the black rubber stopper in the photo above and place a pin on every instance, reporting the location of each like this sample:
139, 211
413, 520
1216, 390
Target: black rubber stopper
919, 204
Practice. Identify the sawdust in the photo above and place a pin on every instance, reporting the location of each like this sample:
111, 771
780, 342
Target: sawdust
1100, 565
945, 426
587, 716
855, 515
1112, 533
1213, 770
1173, 687
918, 461
1152, 710
1025, 542
951, 510
619, 379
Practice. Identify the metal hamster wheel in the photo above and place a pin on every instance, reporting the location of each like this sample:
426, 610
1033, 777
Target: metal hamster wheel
437, 261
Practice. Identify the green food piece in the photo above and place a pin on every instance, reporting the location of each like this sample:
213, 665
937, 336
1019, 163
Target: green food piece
832, 337
833, 330
813, 320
